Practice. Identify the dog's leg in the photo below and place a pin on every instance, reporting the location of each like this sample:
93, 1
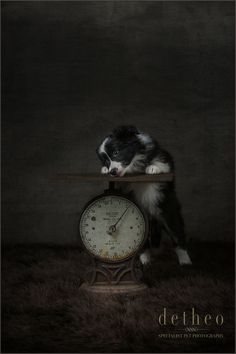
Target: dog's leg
180, 248
155, 233
173, 223
156, 167
153, 241
180, 251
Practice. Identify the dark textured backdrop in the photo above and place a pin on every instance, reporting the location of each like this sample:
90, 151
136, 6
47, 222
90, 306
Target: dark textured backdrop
74, 70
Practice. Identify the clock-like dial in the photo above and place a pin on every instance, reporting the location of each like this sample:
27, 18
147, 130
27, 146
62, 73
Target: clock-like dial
112, 228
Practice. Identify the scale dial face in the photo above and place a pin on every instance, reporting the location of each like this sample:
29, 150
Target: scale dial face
112, 228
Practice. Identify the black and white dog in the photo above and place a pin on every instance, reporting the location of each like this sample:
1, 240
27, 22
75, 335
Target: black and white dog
128, 151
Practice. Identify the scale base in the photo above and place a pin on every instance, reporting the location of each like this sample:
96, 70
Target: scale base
104, 288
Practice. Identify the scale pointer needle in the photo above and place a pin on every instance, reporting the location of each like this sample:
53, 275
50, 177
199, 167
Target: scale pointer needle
112, 228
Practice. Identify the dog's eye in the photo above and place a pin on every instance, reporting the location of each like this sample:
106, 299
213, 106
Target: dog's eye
115, 153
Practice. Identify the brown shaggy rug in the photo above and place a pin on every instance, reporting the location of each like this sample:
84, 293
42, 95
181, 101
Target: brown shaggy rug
44, 310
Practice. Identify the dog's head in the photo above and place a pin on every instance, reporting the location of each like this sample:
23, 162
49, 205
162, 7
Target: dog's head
121, 149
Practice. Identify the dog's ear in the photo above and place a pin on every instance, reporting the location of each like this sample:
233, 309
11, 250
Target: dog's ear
125, 132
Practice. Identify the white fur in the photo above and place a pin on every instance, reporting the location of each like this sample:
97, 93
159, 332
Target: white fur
157, 167
102, 148
148, 195
113, 164
144, 138
183, 256
145, 257
104, 170
152, 169
118, 165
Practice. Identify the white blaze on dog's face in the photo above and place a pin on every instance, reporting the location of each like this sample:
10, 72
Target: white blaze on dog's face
119, 150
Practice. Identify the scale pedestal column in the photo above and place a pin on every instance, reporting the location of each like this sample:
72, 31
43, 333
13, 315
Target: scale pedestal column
123, 277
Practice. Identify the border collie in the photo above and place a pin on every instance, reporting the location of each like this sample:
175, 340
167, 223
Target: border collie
128, 151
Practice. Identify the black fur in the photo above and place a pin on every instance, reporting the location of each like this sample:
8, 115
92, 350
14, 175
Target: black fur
127, 150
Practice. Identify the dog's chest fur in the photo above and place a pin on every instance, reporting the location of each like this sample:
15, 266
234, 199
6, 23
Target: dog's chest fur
147, 195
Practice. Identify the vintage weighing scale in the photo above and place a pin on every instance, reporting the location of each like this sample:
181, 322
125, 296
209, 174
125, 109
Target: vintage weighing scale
113, 229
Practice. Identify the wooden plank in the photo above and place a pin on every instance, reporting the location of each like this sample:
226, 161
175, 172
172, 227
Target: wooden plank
141, 178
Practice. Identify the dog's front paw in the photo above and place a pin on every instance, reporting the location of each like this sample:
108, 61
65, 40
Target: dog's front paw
104, 170
152, 169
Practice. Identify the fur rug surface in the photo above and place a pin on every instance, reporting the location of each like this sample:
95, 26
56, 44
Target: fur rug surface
44, 310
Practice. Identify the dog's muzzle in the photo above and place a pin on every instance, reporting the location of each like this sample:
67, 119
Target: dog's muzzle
114, 172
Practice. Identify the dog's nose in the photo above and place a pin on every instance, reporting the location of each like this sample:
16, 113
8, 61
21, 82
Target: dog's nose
114, 171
